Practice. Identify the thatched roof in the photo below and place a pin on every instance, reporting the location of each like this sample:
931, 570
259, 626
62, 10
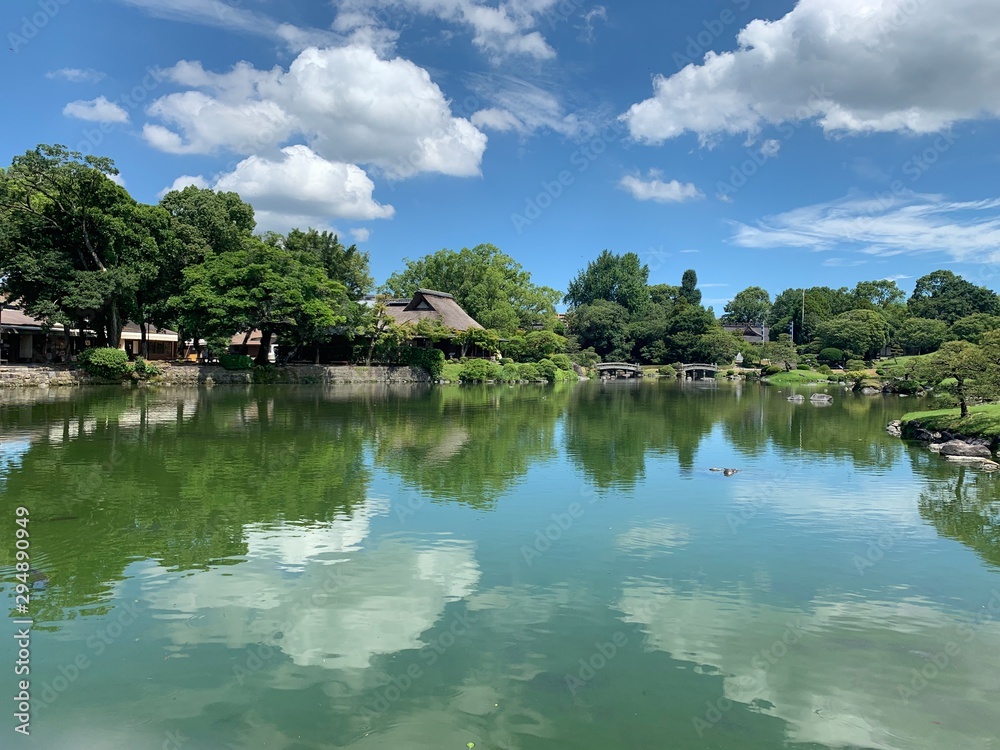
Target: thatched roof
430, 305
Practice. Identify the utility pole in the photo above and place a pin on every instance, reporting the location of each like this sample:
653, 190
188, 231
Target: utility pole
803, 325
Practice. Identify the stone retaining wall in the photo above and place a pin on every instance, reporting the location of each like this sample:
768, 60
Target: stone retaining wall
33, 376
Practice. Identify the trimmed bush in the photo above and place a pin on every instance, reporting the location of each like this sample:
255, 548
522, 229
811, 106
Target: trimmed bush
145, 369
730, 373
856, 364
548, 369
773, 370
831, 355
530, 371
106, 362
431, 360
236, 362
479, 371
802, 366
667, 371
824, 370
562, 361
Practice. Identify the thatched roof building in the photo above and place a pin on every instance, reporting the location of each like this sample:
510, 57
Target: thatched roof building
430, 305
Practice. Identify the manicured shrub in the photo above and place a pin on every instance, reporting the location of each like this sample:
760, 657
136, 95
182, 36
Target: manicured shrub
831, 355
145, 369
802, 366
479, 371
562, 361
431, 360
586, 357
530, 371
106, 362
730, 373
856, 364
236, 362
667, 371
824, 369
773, 370
504, 361
548, 369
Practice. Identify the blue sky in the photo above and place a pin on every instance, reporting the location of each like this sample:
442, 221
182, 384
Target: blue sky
759, 142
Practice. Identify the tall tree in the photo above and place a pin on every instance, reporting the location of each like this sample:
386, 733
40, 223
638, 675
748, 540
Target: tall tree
620, 279
752, 305
861, 332
348, 265
961, 361
942, 295
877, 295
920, 335
689, 287
603, 325
74, 248
490, 285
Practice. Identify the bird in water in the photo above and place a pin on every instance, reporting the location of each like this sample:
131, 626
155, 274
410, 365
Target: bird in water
725, 472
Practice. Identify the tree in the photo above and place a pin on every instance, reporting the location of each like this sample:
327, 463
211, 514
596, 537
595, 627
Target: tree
920, 335
860, 332
718, 346
782, 352
348, 265
877, 295
602, 325
962, 361
941, 295
752, 305
494, 289
689, 288
821, 304
620, 279
261, 286
74, 247
485, 339
972, 327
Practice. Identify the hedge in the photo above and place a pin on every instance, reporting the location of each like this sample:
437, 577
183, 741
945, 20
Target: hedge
106, 362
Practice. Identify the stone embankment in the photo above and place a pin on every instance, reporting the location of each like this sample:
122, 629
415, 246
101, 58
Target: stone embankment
38, 376
975, 452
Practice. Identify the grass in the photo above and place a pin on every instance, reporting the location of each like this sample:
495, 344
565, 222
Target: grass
983, 420
452, 371
796, 377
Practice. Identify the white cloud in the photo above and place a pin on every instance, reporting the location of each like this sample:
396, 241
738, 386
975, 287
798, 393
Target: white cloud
655, 189
898, 277
182, 182
770, 148
117, 179
843, 262
230, 16
597, 13
507, 29
348, 104
96, 110
303, 189
851, 66
77, 75
521, 106
909, 223
360, 234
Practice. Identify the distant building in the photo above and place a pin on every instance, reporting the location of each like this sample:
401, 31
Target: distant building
752, 334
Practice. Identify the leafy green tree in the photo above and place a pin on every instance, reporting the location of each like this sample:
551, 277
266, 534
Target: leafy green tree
689, 287
831, 356
485, 339
920, 335
348, 265
962, 361
752, 305
718, 346
821, 303
494, 289
942, 295
620, 279
781, 352
876, 295
602, 325
860, 332
74, 247
972, 327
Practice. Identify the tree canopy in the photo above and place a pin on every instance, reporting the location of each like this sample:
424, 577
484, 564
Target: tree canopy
752, 305
941, 295
621, 279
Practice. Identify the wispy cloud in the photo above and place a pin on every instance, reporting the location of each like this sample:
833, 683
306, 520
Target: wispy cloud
653, 188
96, 110
904, 224
76, 75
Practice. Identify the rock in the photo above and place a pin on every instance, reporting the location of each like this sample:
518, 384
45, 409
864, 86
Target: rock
797, 398
820, 397
963, 449
990, 466
869, 391
922, 434
972, 461
935, 447
895, 428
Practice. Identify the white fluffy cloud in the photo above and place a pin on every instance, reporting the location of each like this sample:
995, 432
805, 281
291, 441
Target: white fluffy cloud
852, 66
301, 188
655, 189
77, 75
908, 223
347, 103
509, 28
184, 181
96, 110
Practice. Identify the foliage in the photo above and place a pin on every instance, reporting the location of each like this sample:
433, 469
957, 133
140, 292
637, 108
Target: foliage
431, 360
856, 364
667, 371
105, 362
348, 265
972, 327
941, 295
782, 352
236, 362
920, 335
488, 341
773, 370
965, 362
618, 279
144, 369
857, 377
752, 305
831, 354
717, 346
548, 369
562, 361
586, 358
479, 371
689, 287
859, 332
603, 326
877, 295
489, 285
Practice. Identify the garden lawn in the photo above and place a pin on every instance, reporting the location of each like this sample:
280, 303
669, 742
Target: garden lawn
983, 420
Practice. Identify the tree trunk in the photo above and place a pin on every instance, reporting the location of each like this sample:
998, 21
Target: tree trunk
265, 348
114, 329
964, 409
143, 340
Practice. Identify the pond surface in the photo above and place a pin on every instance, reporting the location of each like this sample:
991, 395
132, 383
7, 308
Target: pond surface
527, 567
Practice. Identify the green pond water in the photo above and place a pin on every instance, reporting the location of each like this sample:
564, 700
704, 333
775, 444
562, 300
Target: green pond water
527, 567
